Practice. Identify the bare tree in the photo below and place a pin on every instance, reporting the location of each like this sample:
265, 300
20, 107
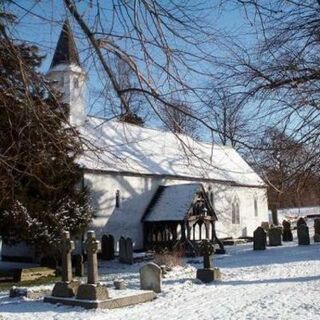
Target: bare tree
163, 44
228, 117
284, 163
177, 119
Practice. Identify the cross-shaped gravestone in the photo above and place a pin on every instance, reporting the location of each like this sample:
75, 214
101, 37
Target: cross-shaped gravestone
92, 247
207, 274
67, 248
206, 250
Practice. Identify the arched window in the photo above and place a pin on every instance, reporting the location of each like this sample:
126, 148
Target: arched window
196, 231
211, 198
255, 203
178, 231
117, 199
235, 211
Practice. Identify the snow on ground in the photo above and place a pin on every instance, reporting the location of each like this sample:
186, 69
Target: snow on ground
279, 283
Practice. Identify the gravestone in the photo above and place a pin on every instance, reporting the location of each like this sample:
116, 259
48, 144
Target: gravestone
286, 233
107, 247
92, 290
119, 284
78, 265
67, 287
301, 221
259, 239
303, 235
30, 293
274, 234
207, 274
125, 250
150, 277
316, 236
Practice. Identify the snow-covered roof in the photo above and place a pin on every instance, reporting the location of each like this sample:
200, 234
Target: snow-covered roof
173, 202
122, 147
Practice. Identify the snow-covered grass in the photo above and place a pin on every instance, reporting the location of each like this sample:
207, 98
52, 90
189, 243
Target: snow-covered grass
279, 283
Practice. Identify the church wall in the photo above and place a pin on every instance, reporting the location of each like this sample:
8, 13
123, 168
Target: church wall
135, 193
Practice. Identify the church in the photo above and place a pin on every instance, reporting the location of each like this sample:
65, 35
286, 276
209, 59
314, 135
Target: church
154, 186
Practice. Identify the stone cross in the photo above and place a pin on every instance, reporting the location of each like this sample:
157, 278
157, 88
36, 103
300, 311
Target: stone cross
92, 247
67, 248
206, 250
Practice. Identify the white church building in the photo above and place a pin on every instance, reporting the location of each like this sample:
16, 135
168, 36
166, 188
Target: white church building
152, 185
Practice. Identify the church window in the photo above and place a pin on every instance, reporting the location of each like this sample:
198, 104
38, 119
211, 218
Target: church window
76, 83
117, 199
255, 207
235, 211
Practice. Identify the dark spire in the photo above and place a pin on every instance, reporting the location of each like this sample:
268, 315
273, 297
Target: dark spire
66, 50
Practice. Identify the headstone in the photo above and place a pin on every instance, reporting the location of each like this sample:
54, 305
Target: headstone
150, 277
31, 274
259, 239
67, 287
107, 247
119, 284
207, 274
92, 290
274, 234
125, 250
316, 236
78, 265
301, 221
29, 293
303, 235
286, 232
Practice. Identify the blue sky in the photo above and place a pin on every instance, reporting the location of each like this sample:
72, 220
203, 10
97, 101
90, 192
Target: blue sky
40, 23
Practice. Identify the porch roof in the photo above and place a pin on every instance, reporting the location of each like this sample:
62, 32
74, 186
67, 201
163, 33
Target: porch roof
172, 203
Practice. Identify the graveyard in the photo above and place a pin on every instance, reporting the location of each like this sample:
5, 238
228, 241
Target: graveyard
159, 160
275, 282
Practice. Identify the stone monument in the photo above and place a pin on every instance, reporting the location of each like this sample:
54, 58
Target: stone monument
150, 277
207, 274
274, 234
107, 247
301, 221
286, 232
126, 250
303, 235
67, 287
259, 239
92, 290
316, 236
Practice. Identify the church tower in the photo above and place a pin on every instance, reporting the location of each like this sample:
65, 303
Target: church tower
67, 73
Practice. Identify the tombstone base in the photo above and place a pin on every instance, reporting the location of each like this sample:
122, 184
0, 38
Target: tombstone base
304, 242
66, 289
316, 237
208, 275
257, 247
287, 238
111, 303
92, 292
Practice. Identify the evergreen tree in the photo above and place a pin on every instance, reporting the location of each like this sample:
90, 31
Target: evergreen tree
40, 182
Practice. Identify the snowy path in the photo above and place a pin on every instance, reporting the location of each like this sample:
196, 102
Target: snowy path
279, 283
